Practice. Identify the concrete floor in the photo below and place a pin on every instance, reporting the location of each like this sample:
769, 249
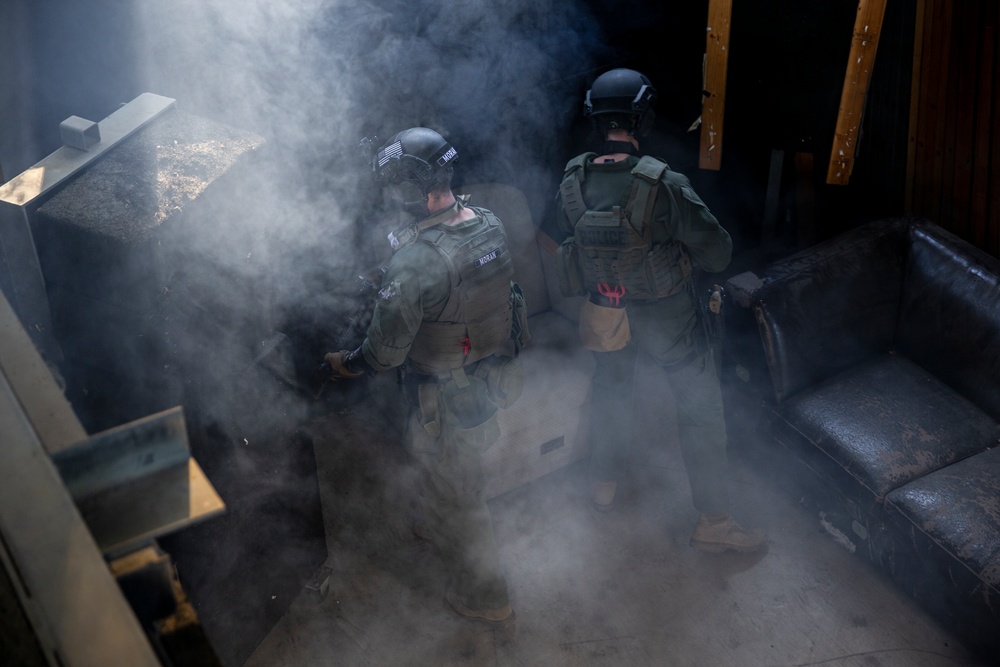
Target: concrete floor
622, 588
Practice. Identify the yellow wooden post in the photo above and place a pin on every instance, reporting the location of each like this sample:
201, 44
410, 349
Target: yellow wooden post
714, 101
867, 27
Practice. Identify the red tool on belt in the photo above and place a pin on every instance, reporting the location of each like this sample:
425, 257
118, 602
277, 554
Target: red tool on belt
614, 294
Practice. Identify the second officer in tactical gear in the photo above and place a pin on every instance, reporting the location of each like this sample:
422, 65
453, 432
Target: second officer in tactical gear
448, 314
635, 232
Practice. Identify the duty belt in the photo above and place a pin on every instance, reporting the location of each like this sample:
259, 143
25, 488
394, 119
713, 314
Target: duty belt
425, 378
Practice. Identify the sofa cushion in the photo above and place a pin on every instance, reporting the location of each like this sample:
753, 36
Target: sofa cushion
546, 428
887, 421
959, 506
831, 307
949, 320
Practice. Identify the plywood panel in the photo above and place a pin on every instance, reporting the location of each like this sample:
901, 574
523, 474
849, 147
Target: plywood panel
985, 130
959, 136
953, 174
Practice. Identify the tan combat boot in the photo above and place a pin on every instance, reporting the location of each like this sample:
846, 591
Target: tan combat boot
503, 616
602, 495
716, 534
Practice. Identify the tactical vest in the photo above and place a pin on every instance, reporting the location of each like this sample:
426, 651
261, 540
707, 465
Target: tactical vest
476, 318
616, 248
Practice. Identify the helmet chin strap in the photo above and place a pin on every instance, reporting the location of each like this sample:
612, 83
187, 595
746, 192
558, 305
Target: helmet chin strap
418, 209
610, 146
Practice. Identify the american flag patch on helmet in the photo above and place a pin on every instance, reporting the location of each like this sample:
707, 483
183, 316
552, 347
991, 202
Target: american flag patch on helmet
390, 152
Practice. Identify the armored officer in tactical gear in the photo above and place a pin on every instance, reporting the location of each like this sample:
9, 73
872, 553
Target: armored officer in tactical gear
635, 232
446, 315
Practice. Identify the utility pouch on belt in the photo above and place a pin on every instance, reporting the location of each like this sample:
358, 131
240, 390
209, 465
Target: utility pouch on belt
430, 412
519, 317
568, 270
469, 415
504, 377
603, 329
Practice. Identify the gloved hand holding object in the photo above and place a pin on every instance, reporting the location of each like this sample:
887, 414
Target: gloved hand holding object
340, 362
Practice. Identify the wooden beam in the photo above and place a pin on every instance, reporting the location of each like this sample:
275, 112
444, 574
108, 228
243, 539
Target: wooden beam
867, 27
714, 100
982, 171
933, 94
805, 200
915, 80
773, 198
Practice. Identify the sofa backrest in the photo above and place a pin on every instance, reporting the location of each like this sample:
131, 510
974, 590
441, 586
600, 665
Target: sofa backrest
949, 317
831, 306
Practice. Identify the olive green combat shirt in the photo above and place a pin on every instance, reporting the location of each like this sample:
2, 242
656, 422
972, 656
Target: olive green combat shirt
680, 212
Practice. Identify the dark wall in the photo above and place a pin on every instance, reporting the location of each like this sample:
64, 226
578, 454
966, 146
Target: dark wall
506, 84
786, 67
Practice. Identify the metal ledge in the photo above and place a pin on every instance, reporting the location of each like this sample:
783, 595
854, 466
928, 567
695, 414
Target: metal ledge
62, 580
137, 482
21, 276
131, 483
40, 179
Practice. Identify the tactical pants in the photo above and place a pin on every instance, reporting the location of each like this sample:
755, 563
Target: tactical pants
452, 497
668, 330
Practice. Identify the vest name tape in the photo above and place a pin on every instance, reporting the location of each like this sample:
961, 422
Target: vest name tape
604, 237
486, 259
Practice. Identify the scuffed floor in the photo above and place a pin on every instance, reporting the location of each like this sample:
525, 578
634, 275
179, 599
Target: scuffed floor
622, 588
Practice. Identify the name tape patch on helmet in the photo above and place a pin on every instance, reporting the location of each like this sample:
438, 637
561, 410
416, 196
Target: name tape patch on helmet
447, 157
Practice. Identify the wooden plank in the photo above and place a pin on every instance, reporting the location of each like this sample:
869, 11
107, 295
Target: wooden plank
714, 100
956, 177
773, 198
62, 582
40, 397
805, 200
944, 90
864, 45
915, 84
930, 93
992, 244
983, 173
124, 453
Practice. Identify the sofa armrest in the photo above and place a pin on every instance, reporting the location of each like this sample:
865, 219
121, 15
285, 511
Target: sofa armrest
826, 308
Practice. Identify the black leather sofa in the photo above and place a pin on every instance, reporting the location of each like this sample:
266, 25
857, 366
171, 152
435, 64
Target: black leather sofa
869, 368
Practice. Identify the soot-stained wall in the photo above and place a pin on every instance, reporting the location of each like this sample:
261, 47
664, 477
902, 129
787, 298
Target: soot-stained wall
503, 80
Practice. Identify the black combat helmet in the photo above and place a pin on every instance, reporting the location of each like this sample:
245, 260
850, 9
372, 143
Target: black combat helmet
621, 98
412, 164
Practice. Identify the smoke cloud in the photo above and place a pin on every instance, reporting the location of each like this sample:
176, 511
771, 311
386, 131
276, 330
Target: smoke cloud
501, 80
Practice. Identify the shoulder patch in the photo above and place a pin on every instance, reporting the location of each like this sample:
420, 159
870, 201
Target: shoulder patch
389, 292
